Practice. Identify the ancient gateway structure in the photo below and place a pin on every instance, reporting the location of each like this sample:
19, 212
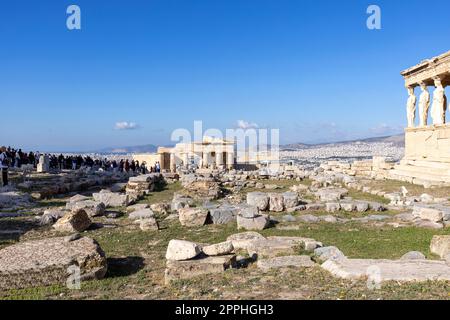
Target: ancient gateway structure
427, 137
210, 153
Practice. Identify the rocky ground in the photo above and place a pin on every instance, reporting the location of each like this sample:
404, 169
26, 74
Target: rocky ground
245, 235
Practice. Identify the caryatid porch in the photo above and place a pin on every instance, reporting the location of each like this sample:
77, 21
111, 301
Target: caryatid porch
427, 136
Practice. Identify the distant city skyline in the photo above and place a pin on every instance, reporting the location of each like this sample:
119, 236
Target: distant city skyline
136, 71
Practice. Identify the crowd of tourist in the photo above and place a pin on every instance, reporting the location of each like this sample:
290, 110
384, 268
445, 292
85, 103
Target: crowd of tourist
16, 158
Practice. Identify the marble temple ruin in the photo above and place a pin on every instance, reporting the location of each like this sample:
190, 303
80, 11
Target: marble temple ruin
427, 140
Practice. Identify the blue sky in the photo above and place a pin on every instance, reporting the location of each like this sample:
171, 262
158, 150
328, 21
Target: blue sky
310, 68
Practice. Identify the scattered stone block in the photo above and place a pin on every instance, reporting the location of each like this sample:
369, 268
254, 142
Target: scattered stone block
178, 270
256, 223
242, 240
92, 208
276, 202
149, 224
285, 261
332, 206
440, 245
427, 213
111, 199
325, 253
137, 207
413, 255
308, 218
141, 214
389, 270
182, 250
193, 217
259, 200
76, 221
222, 215
219, 249
290, 199
46, 262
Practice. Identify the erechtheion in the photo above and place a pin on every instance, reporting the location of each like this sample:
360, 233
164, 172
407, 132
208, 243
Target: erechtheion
427, 139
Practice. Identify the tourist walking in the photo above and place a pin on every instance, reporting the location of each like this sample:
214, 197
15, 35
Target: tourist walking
4, 166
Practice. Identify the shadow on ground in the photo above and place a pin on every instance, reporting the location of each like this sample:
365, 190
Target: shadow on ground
122, 267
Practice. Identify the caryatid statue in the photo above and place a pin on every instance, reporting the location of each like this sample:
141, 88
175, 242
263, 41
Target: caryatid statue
424, 105
411, 107
439, 103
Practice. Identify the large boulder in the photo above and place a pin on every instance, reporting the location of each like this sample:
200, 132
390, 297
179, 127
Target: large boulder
276, 202
48, 261
259, 200
111, 199
440, 245
192, 217
182, 250
76, 221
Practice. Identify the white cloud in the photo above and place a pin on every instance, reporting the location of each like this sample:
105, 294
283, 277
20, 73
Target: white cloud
124, 125
242, 124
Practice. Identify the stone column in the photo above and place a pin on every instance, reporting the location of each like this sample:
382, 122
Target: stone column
411, 107
173, 164
424, 105
205, 159
230, 160
439, 103
186, 160
219, 159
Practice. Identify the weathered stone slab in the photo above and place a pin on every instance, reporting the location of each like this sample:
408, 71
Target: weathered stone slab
308, 218
242, 240
275, 246
46, 262
178, 270
285, 261
389, 270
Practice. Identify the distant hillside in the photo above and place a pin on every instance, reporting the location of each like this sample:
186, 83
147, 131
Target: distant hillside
148, 148
397, 140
